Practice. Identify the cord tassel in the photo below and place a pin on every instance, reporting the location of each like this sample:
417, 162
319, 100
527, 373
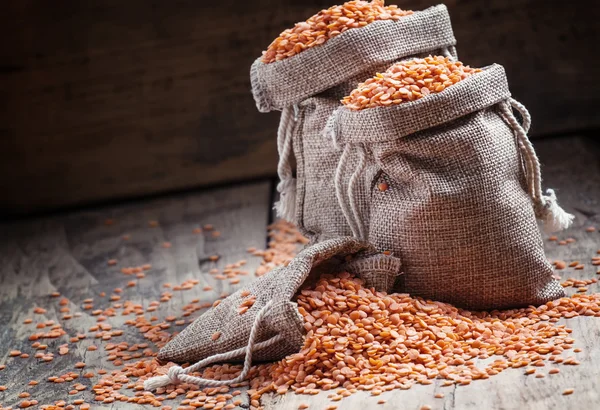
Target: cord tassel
286, 206
553, 216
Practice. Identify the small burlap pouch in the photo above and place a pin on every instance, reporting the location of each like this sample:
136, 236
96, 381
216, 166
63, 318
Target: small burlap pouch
307, 88
451, 186
272, 328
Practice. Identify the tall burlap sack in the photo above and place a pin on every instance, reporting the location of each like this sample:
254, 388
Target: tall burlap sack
308, 87
272, 328
451, 186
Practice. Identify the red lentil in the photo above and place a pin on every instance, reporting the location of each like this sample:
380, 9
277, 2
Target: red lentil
560, 265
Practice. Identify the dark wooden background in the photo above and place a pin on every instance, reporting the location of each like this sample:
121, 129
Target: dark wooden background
104, 100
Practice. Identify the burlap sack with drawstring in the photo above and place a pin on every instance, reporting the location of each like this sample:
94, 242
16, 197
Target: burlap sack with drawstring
313, 82
281, 319
449, 187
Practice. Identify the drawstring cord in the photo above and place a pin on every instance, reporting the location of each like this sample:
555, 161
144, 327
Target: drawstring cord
352, 212
527, 147
338, 182
354, 206
177, 374
286, 206
531, 159
546, 206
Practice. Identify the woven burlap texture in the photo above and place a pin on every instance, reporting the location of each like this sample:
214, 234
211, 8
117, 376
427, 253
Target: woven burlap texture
377, 271
455, 211
315, 81
278, 286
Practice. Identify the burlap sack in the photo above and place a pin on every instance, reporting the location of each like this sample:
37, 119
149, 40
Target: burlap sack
450, 185
308, 87
270, 330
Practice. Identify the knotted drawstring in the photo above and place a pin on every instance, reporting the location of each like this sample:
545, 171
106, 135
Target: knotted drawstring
286, 206
177, 374
546, 206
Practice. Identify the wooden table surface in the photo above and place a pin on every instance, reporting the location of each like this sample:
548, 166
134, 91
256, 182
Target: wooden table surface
68, 253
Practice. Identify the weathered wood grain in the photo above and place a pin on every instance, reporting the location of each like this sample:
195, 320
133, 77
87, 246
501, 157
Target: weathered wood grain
112, 99
69, 254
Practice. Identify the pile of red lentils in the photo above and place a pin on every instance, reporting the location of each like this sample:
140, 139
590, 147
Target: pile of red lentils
408, 81
327, 24
357, 340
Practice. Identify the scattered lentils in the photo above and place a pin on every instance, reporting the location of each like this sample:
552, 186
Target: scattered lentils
357, 339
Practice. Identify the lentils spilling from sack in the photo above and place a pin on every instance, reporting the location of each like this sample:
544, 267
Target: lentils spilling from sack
359, 339
408, 81
327, 24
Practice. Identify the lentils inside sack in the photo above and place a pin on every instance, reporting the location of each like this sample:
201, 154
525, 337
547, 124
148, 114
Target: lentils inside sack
327, 24
408, 81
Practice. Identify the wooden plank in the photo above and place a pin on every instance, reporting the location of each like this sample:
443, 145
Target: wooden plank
112, 99
570, 166
69, 254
